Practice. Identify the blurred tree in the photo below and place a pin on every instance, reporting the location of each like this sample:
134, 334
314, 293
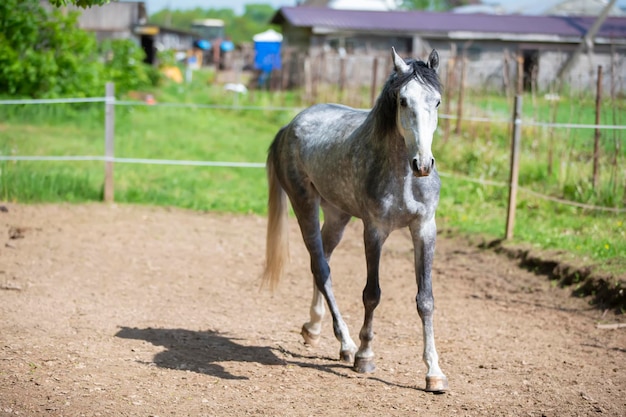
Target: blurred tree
45, 54
259, 13
434, 5
79, 3
124, 66
182, 19
239, 29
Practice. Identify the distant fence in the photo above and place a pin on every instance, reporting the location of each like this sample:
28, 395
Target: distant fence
109, 158
461, 66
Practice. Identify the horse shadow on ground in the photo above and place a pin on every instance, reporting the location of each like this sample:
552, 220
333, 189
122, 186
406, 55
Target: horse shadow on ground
337, 368
204, 351
200, 351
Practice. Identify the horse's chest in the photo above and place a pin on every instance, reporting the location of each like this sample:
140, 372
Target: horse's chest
400, 207
404, 201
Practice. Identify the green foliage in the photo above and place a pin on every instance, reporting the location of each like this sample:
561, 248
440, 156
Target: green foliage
432, 5
424, 5
77, 71
45, 55
166, 58
260, 14
124, 65
182, 19
80, 3
255, 19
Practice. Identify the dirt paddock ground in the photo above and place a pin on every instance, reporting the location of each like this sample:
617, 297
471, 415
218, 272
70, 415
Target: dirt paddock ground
114, 310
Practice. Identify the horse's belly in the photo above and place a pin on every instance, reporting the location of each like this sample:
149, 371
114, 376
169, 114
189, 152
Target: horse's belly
338, 191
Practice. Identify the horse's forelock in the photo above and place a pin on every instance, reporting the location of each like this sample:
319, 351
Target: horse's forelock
420, 71
386, 105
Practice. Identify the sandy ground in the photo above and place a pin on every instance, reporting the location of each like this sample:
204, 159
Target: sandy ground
126, 310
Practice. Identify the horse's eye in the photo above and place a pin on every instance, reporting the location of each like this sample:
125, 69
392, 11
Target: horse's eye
438, 103
403, 102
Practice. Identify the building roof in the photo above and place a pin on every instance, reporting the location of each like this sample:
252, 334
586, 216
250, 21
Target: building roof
542, 7
353, 4
451, 25
559, 7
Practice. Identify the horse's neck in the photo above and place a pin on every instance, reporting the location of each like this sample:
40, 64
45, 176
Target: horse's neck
386, 144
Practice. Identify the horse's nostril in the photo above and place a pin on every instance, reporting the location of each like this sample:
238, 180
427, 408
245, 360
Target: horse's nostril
415, 165
432, 163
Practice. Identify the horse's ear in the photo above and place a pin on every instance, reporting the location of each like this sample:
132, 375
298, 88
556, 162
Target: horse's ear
433, 60
398, 63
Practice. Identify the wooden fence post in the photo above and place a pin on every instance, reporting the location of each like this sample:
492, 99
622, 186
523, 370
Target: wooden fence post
109, 137
342, 78
316, 70
374, 86
308, 81
596, 139
459, 105
514, 173
506, 75
448, 92
520, 73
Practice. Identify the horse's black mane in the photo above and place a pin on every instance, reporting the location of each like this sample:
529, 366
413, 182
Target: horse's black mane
386, 104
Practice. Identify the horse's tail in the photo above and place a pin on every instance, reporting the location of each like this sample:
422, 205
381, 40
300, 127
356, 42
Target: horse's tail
277, 243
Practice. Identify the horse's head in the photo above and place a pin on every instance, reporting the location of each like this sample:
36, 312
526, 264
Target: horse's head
417, 101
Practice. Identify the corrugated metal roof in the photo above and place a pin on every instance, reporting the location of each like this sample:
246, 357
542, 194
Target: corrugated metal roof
433, 22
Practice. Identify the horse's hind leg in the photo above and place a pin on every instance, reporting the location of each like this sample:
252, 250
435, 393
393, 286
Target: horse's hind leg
312, 329
334, 224
307, 213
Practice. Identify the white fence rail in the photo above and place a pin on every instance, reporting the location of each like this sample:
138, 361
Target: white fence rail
109, 158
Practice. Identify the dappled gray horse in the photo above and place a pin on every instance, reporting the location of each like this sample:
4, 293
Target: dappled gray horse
375, 165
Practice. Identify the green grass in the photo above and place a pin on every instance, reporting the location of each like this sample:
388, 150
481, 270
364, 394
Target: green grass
480, 152
556, 163
151, 133
597, 239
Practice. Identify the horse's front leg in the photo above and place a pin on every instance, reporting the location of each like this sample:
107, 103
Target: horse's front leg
374, 239
424, 235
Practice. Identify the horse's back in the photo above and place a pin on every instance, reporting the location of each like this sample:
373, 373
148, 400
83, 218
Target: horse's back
315, 148
323, 123
320, 131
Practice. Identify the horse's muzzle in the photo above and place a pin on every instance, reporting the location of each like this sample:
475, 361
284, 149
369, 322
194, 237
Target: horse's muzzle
422, 169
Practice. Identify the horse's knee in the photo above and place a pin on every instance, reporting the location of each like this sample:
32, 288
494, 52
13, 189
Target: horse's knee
425, 305
371, 297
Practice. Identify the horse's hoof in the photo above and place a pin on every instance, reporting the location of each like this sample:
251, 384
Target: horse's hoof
364, 365
436, 384
346, 356
310, 338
